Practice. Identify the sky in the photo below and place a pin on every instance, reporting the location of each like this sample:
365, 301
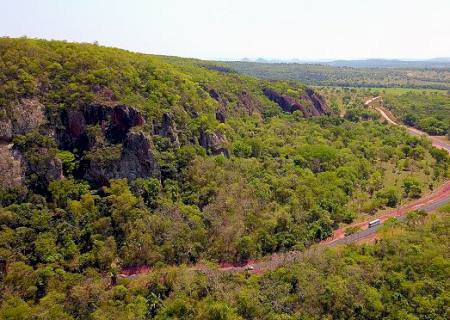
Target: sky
234, 29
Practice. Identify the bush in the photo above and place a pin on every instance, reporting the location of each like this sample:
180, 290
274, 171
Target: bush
390, 196
412, 187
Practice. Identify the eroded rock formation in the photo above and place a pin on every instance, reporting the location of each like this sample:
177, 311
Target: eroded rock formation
168, 128
12, 167
214, 142
134, 161
115, 122
99, 132
310, 104
21, 118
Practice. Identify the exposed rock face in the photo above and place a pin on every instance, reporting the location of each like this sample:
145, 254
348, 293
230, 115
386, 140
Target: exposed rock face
214, 143
12, 167
136, 160
319, 104
105, 96
21, 119
286, 103
221, 98
123, 118
76, 124
6, 130
168, 128
18, 170
103, 125
115, 123
310, 104
112, 124
48, 167
29, 115
214, 94
248, 103
220, 116
41, 166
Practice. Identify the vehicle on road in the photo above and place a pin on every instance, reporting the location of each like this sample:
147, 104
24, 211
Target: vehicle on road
374, 223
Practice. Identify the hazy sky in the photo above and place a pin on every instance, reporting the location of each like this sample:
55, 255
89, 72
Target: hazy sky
305, 29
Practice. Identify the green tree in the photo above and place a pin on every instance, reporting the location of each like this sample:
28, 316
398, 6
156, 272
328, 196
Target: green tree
412, 187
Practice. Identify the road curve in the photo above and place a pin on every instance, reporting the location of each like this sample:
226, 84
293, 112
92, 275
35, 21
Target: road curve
429, 202
416, 132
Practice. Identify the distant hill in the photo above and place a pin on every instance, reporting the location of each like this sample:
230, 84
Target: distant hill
442, 62
392, 63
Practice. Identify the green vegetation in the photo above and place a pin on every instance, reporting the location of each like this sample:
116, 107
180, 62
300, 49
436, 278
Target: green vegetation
405, 275
427, 111
323, 75
196, 165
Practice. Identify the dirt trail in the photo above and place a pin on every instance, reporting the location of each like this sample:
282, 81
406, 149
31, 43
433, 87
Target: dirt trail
429, 202
387, 115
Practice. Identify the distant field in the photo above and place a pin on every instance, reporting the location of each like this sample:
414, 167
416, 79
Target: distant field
323, 75
405, 90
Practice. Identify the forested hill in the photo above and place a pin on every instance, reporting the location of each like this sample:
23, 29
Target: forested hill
82, 92
111, 159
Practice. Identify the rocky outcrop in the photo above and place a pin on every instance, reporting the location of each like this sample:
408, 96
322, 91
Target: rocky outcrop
34, 168
21, 118
115, 122
245, 101
310, 104
123, 118
214, 143
220, 116
27, 116
248, 103
6, 129
104, 125
135, 161
45, 166
168, 128
214, 94
12, 167
102, 136
319, 103
288, 104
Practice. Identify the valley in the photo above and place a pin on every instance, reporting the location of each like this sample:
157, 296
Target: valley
225, 160
154, 187
428, 203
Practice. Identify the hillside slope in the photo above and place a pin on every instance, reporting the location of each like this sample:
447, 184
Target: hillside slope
96, 102
111, 159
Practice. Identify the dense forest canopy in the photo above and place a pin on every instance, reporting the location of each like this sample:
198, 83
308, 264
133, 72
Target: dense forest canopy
112, 159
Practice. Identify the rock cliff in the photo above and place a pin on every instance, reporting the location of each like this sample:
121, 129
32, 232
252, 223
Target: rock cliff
310, 104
